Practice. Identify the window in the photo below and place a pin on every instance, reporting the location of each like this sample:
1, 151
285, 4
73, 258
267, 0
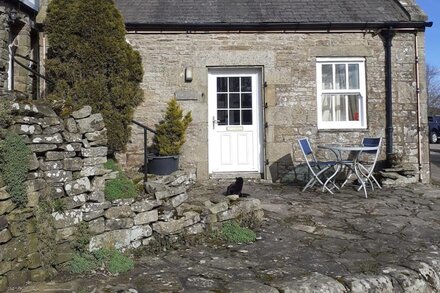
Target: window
341, 93
234, 100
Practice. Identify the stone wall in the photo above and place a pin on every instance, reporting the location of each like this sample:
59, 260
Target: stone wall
288, 62
67, 170
164, 209
66, 165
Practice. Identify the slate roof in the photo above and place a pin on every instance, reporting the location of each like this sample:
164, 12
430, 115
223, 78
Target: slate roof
250, 12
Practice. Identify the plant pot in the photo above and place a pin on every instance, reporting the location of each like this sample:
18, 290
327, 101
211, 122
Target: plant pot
163, 165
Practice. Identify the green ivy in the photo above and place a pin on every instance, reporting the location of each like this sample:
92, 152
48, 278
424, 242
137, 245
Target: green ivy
6, 117
14, 165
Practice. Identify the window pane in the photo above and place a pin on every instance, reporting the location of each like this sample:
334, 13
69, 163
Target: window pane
234, 84
327, 76
327, 111
353, 76
222, 101
222, 84
246, 84
353, 107
234, 117
246, 100
340, 108
222, 116
234, 100
340, 76
247, 117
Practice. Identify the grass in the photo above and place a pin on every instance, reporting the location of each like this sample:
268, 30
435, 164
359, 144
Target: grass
232, 232
110, 260
121, 187
82, 263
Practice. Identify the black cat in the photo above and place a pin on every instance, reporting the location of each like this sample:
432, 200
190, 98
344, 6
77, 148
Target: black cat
236, 187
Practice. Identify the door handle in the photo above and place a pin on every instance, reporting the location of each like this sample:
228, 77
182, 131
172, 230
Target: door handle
214, 121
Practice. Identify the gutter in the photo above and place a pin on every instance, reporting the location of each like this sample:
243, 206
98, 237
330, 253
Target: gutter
276, 26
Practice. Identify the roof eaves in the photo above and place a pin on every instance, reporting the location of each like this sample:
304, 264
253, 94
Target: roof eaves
293, 26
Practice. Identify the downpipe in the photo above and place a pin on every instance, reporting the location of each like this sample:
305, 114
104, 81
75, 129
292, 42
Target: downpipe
419, 123
388, 36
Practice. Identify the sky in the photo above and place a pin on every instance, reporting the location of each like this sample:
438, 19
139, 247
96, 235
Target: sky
432, 9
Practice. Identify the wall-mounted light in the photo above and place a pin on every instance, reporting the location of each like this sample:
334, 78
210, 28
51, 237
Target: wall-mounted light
12, 15
188, 74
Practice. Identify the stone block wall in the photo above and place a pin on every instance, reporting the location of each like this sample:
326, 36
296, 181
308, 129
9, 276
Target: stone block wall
165, 209
288, 62
67, 168
66, 165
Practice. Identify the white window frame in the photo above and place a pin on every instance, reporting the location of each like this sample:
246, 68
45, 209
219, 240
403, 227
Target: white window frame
362, 122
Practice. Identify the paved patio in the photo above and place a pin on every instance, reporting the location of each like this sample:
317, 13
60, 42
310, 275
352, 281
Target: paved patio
309, 242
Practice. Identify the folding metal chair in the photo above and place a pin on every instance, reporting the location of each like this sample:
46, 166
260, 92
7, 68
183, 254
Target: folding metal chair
369, 159
366, 162
316, 168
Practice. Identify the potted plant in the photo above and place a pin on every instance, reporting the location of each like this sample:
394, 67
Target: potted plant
169, 139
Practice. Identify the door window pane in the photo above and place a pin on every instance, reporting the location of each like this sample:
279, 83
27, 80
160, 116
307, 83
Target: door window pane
247, 117
222, 100
234, 117
222, 84
222, 116
340, 77
353, 76
234, 84
327, 76
234, 100
246, 84
246, 100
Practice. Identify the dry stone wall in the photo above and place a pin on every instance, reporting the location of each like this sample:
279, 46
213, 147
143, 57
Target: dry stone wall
67, 169
66, 166
164, 209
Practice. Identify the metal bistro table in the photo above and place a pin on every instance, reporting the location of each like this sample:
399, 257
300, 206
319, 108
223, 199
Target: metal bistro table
351, 163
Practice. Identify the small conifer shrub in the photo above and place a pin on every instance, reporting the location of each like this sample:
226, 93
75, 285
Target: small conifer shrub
91, 63
171, 130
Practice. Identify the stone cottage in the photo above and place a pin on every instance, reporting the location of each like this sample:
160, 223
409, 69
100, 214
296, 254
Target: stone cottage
19, 47
258, 75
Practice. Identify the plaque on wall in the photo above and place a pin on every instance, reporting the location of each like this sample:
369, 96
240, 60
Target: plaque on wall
187, 95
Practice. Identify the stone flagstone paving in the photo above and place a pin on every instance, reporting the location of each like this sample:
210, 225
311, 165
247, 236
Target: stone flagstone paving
308, 242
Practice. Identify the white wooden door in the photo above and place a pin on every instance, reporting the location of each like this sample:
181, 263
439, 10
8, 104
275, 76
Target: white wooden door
235, 120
